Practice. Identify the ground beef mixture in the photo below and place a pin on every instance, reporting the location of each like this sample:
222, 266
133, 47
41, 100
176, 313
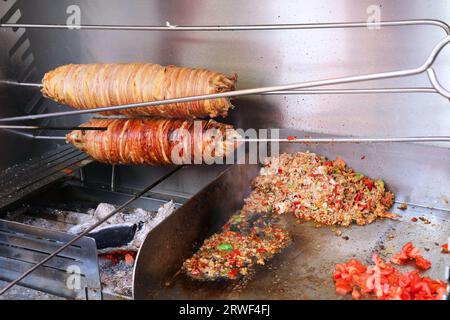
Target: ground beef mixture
303, 183
245, 240
314, 188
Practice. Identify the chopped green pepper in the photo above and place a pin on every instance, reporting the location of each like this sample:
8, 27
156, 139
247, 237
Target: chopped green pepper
225, 246
358, 176
380, 184
237, 219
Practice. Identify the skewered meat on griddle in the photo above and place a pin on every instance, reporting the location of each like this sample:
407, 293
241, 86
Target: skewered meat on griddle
246, 240
88, 86
155, 141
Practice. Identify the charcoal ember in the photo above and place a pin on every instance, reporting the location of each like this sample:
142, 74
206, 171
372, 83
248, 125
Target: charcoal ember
114, 235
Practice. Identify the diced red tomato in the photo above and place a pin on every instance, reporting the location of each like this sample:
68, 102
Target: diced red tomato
291, 138
195, 272
368, 183
358, 197
385, 282
342, 287
444, 248
233, 273
409, 252
329, 163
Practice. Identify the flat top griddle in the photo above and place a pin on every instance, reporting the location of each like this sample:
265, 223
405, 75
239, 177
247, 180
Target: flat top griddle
302, 271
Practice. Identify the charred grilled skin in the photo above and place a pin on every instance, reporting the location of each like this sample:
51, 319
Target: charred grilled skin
154, 141
89, 86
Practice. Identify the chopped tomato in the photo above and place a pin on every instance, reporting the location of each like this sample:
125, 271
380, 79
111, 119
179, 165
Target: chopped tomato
423, 263
385, 282
280, 171
292, 137
359, 196
368, 183
343, 287
444, 248
233, 273
195, 272
409, 252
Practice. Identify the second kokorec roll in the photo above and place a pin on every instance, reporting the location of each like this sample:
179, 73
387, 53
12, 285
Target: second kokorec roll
89, 86
155, 141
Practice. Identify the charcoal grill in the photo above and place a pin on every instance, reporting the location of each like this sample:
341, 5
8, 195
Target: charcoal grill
287, 57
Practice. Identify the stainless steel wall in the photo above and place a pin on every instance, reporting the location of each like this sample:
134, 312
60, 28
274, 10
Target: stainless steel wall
262, 57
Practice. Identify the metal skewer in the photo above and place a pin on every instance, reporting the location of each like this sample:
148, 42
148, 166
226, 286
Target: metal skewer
51, 128
352, 140
374, 76
294, 26
315, 140
95, 225
293, 92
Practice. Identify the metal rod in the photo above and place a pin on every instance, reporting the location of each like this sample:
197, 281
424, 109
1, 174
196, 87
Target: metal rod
22, 84
352, 91
306, 91
325, 140
113, 178
95, 225
48, 137
51, 128
31, 136
352, 140
172, 27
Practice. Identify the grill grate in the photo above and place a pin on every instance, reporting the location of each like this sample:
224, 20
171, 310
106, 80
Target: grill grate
72, 274
34, 174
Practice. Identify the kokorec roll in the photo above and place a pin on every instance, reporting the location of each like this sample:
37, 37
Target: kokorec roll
147, 141
88, 86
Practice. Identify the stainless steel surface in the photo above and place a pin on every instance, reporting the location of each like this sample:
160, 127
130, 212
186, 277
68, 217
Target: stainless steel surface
18, 61
22, 246
28, 271
304, 270
259, 57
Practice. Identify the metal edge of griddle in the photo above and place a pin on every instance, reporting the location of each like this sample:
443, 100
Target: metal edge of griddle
24, 245
33, 175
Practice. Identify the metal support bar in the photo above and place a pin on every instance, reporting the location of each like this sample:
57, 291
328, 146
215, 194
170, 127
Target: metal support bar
113, 178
